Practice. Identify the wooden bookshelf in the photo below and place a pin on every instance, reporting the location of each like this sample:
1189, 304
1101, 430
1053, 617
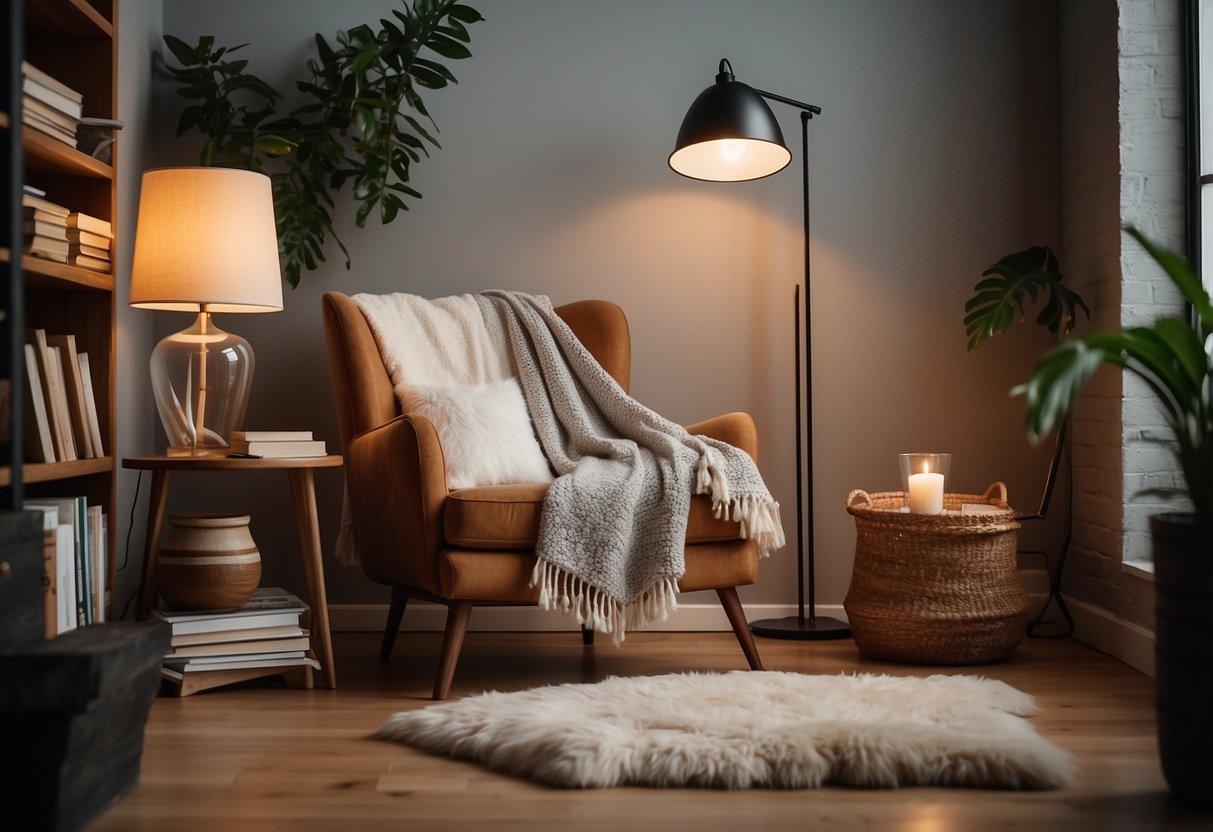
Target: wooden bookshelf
74, 41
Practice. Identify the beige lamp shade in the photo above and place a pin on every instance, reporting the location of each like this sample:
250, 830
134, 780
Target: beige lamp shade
206, 236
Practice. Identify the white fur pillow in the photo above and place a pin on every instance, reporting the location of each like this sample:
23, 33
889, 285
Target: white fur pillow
485, 432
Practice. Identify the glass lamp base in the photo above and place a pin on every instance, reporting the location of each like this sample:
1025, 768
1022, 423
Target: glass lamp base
201, 378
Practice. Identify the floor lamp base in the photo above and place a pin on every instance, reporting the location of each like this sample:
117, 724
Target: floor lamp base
818, 628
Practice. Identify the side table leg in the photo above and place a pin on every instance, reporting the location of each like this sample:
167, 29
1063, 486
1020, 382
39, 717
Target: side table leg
303, 495
156, 502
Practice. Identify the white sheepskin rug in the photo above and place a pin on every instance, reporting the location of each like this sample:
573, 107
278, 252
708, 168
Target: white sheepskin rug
749, 729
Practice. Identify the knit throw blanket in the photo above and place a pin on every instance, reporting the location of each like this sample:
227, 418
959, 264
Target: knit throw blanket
614, 522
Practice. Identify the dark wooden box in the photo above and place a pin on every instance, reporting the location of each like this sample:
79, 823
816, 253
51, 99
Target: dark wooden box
22, 601
72, 713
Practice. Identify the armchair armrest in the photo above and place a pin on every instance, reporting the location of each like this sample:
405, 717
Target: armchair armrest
396, 476
737, 429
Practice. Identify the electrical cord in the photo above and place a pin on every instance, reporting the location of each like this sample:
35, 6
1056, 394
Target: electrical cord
126, 549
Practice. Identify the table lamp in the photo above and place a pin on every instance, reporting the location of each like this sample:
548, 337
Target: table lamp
729, 134
205, 242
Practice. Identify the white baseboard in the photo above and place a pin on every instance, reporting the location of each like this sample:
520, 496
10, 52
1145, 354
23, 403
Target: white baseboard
707, 617
1098, 628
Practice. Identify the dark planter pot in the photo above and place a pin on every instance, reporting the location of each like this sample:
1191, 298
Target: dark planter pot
1183, 580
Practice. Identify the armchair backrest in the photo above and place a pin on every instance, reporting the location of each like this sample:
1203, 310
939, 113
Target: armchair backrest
363, 391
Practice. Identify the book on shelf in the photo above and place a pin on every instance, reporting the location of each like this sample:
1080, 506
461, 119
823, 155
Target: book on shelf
238, 648
31, 106
50, 574
32, 120
40, 215
33, 77
47, 248
85, 262
272, 435
61, 565
269, 607
45, 228
93, 225
87, 238
99, 562
39, 202
51, 395
279, 450
39, 443
75, 249
75, 550
74, 390
90, 404
178, 673
62, 407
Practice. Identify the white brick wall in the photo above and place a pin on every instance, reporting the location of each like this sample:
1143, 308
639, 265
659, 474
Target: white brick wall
1152, 198
1123, 162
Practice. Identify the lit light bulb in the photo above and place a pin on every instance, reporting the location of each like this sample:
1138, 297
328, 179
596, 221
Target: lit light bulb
732, 150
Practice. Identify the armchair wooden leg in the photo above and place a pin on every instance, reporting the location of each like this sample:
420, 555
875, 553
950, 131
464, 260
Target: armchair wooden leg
457, 617
587, 636
732, 608
395, 615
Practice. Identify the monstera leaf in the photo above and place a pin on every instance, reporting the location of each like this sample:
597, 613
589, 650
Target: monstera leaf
1014, 283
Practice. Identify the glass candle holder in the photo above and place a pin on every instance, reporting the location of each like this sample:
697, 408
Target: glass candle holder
922, 481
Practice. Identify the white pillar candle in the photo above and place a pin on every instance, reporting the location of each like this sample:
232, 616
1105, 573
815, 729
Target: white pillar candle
926, 493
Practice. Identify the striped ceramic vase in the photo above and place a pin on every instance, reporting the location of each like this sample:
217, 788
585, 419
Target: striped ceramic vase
208, 562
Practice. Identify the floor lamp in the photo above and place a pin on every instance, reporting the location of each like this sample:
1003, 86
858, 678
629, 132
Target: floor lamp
730, 135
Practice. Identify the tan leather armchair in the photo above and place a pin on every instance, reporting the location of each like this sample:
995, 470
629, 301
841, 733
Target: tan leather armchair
476, 545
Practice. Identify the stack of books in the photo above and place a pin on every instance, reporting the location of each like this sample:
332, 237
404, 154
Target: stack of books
61, 417
88, 241
50, 106
44, 228
264, 633
76, 570
276, 444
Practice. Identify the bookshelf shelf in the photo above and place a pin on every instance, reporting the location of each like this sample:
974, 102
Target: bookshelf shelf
48, 154
73, 18
41, 273
52, 471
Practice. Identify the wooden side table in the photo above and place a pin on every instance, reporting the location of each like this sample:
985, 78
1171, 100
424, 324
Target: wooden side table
300, 474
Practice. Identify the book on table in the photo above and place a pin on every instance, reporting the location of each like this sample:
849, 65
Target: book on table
279, 449
272, 435
258, 648
177, 673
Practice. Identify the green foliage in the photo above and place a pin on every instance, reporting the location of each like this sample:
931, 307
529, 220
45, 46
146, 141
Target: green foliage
1174, 357
362, 120
1017, 279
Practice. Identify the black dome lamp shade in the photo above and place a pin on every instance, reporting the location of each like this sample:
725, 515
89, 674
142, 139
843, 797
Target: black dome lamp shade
729, 134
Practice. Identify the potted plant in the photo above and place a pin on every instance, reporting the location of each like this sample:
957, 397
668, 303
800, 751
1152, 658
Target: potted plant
1174, 357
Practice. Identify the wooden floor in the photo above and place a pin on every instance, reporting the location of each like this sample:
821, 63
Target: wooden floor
267, 759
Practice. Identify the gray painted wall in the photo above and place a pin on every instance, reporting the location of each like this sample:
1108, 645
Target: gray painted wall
935, 155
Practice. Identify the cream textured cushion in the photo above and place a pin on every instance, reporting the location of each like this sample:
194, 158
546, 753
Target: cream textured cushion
485, 431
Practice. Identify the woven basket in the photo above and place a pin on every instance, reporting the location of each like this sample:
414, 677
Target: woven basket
935, 589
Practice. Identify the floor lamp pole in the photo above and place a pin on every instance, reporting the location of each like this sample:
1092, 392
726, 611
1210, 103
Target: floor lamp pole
800, 626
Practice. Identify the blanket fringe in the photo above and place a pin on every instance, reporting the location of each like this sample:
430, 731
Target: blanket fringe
561, 590
759, 519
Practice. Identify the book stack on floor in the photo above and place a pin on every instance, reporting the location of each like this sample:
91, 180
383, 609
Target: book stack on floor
76, 562
50, 106
61, 416
262, 638
276, 444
